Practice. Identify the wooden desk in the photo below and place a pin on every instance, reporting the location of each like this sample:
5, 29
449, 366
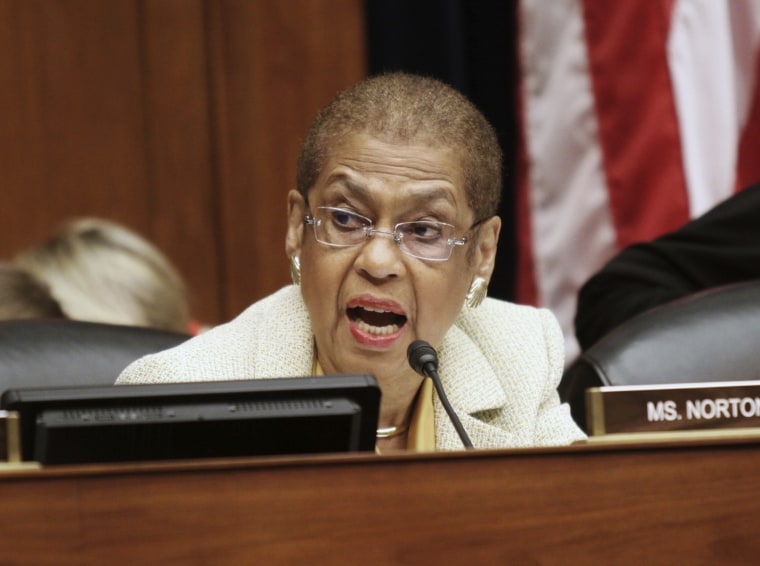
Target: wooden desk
666, 503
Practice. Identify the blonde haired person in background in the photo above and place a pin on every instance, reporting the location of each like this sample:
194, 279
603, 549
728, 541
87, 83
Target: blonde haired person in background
101, 271
22, 296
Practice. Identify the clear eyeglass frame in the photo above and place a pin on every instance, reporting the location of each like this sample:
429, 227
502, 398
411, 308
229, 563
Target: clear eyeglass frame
358, 229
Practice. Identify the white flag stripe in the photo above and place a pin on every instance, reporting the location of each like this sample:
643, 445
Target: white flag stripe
565, 164
711, 57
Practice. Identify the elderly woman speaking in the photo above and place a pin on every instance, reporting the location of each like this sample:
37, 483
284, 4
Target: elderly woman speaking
392, 236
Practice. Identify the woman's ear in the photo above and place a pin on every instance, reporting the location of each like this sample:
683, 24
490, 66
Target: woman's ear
296, 212
488, 240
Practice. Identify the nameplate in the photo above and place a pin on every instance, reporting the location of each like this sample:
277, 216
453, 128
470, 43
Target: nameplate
677, 407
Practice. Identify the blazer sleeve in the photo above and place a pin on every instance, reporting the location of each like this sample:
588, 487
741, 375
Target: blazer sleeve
554, 423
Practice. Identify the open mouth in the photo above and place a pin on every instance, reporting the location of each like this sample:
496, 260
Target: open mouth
376, 321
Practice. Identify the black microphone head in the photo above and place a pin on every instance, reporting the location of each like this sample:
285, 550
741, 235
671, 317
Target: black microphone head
420, 354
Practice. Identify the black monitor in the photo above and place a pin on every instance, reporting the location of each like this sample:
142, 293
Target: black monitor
295, 415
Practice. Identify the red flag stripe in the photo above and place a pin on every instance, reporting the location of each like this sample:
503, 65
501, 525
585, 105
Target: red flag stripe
748, 166
638, 125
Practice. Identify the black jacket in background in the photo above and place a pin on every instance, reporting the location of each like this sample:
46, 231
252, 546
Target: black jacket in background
720, 247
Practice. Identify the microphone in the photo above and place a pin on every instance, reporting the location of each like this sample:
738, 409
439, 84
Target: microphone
424, 360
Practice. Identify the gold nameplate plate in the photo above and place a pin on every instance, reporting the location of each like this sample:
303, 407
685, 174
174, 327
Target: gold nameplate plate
676, 407
10, 443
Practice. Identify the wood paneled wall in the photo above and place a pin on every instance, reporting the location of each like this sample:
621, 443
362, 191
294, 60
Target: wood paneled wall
179, 118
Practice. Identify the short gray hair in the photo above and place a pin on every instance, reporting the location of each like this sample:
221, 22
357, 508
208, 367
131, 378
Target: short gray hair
410, 108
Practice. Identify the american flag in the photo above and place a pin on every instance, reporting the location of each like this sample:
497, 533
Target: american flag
637, 115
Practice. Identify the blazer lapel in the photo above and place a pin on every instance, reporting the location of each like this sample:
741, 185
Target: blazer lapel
473, 390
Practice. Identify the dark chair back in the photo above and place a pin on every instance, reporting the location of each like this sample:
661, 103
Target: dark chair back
43, 353
712, 335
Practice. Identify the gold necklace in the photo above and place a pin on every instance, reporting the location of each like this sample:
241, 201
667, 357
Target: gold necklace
391, 431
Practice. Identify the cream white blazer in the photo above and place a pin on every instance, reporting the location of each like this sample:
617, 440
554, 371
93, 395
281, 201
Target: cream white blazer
499, 364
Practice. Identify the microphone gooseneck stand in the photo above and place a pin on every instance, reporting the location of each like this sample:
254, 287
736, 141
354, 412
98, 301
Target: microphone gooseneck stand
424, 360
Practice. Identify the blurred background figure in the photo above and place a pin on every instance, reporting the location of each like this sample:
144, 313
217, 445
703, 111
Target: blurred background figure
721, 247
101, 271
23, 296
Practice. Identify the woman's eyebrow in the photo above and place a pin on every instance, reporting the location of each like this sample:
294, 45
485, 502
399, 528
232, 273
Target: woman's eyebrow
352, 185
432, 192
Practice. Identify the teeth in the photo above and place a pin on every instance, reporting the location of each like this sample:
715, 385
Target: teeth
370, 309
378, 330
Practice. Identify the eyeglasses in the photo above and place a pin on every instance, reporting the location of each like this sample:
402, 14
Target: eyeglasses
422, 239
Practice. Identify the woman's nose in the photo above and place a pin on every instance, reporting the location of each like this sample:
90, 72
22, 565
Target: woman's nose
380, 257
